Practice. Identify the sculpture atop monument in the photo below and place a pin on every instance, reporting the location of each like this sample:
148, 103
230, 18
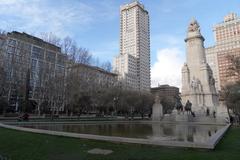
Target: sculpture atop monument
198, 84
193, 26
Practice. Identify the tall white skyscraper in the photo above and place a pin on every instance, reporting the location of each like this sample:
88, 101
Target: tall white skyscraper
133, 63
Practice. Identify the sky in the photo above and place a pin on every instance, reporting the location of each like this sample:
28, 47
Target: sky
94, 24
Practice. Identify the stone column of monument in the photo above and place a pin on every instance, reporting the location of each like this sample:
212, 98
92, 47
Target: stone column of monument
157, 110
198, 85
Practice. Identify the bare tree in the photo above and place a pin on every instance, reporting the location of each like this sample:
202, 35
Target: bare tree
2, 72
51, 38
2, 62
72, 90
2, 32
107, 66
230, 92
84, 56
17, 66
234, 69
67, 45
75, 54
96, 62
3, 84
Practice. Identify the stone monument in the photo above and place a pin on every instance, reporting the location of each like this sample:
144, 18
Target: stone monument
198, 84
157, 110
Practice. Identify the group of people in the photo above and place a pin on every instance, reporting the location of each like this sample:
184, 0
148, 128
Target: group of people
235, 119
208, 113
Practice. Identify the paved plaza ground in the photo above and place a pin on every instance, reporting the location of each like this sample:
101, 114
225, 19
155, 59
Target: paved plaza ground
16, 145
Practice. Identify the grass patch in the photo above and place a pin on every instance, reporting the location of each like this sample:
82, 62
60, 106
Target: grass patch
16, 145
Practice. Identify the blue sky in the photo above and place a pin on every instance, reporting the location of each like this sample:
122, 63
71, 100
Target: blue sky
94, 24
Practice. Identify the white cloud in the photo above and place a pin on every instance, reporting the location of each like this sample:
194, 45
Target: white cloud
167, 68
58, 17
7, 2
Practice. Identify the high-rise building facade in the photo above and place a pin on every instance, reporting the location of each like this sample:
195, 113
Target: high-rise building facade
133, 63
211, 58
227, 37
33, 68
91, 78
165, 91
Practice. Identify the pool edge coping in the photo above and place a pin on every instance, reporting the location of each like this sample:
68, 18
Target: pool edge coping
210, 144
119, 121
218, 136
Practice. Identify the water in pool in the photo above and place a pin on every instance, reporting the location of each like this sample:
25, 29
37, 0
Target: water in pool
153, 131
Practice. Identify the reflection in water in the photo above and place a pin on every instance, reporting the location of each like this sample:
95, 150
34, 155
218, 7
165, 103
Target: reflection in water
209, 133
187, 133
153, 131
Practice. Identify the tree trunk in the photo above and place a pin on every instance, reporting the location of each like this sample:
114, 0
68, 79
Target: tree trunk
39, 111
67, 112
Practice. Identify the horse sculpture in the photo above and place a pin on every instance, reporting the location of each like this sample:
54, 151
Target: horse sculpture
179, 107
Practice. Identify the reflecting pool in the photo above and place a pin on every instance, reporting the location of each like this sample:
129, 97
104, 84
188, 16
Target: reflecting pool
153, 131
